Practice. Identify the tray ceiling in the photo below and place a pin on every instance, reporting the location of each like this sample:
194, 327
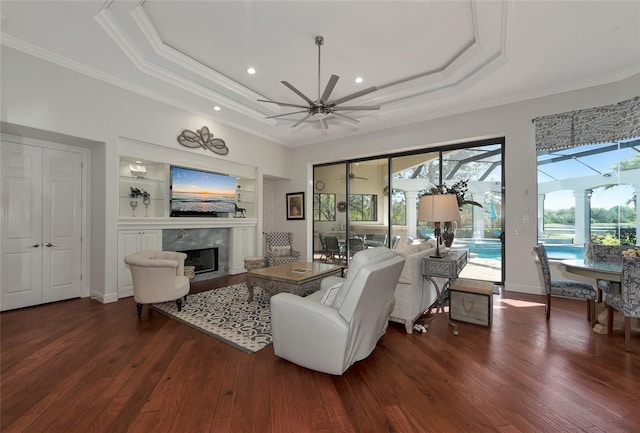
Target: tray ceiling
428, 58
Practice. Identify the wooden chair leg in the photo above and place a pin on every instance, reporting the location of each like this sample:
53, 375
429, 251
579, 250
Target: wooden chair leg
179, 304
139, 307
609, 320
627, 334
548, 307
591, 312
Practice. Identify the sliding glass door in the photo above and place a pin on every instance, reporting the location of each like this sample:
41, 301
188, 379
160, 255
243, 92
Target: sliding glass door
373, 202
478, 170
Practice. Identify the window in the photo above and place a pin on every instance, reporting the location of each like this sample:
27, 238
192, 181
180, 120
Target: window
588, 171
324, 207
588, 192
363, 207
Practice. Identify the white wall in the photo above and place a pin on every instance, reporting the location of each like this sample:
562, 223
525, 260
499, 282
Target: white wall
512, 121
38, 95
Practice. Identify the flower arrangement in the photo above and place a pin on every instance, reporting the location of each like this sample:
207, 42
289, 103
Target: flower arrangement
137, 192
631, 252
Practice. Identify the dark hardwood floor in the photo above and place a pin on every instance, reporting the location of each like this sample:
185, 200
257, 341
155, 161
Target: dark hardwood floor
80, 366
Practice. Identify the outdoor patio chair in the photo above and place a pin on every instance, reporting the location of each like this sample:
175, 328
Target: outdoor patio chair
333, 250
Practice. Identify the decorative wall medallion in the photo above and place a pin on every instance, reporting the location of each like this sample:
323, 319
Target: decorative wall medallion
203, 138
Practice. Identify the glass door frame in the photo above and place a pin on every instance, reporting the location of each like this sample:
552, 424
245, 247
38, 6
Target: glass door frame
434, 149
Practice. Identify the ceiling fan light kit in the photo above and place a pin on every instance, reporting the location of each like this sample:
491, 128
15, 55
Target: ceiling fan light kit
322, 108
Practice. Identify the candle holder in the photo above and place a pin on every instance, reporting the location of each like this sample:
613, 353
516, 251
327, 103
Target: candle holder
134, 205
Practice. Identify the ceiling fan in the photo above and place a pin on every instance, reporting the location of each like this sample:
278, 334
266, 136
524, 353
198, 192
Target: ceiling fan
322, 107
352, 175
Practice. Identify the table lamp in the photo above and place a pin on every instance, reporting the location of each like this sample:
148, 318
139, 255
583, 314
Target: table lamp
437, 209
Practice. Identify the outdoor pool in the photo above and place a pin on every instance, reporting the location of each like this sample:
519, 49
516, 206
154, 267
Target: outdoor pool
490, 249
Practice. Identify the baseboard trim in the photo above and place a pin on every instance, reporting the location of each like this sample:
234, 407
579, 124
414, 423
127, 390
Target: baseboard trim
523, 288
104, 299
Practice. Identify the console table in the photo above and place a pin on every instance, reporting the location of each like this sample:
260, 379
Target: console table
448, 267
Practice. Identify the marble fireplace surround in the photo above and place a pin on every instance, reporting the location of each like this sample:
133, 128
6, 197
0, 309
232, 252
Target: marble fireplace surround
201, 238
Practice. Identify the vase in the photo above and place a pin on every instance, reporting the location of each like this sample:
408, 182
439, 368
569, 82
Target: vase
448, 233
146, 200
134, 205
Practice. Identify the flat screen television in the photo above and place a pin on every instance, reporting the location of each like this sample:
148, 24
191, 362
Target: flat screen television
201, 193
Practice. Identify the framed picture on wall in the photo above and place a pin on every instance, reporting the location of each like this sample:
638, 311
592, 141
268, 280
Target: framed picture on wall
295, 206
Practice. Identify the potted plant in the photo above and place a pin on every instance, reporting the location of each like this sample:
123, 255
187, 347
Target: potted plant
460, 189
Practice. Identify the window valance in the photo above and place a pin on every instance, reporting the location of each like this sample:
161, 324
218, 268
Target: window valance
606, 124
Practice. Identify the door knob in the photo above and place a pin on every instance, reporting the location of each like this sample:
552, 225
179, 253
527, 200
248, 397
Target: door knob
50, 245
36, 245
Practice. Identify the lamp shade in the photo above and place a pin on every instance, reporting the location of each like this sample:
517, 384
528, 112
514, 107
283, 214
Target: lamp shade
438, 208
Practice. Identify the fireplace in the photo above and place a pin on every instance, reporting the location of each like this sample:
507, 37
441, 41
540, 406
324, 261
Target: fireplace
207, 249
204, 259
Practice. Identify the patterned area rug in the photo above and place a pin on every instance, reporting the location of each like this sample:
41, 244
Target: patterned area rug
226, 315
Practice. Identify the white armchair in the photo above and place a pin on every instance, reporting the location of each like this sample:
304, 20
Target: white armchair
158, 276
340, 324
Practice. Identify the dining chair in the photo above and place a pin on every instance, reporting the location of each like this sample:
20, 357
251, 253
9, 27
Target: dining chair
333, 250
565, 288
628, 300
395, 241
607, 254
356, 244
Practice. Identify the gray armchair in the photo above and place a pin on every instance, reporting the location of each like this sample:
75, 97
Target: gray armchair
280, 248
628, 300
340, 324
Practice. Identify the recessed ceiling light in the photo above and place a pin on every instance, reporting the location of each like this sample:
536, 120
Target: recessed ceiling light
216, 108
138, 162
251, 71
359, 80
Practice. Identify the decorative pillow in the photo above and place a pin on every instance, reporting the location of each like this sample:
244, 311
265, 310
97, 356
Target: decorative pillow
331, 293
282, 251
432, 242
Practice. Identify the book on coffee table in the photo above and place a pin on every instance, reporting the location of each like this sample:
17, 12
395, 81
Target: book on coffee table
300, 271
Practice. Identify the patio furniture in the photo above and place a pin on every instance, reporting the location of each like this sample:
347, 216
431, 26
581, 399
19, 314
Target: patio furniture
332, 249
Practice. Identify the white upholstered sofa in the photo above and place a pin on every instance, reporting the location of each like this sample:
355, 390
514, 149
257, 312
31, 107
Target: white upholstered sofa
413, 293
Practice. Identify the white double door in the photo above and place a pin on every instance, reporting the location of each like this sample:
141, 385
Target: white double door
41, 225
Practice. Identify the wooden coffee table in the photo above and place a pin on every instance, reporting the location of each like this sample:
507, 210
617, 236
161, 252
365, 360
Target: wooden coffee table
299, 278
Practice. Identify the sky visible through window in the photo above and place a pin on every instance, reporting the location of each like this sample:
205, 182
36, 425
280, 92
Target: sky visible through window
598, 168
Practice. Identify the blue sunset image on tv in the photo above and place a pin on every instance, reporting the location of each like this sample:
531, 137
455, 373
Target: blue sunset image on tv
199, 191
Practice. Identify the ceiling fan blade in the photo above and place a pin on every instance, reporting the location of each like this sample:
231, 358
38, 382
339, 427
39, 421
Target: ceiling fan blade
283, 104
301, 120
342, 116
355, 107
298, 92
330, 86
354, 95
324, 124
286, 114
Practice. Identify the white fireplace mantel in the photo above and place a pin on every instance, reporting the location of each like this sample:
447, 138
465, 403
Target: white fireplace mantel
142, 223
